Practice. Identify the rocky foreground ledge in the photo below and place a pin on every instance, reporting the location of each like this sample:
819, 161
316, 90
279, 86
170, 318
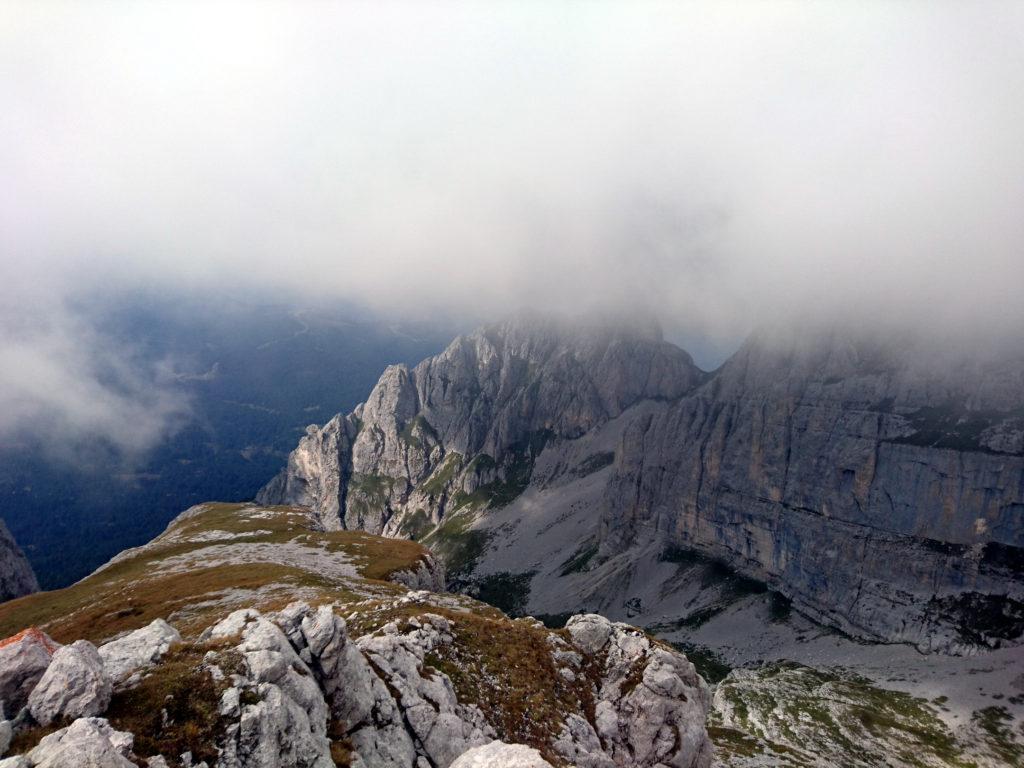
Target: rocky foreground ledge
245, 637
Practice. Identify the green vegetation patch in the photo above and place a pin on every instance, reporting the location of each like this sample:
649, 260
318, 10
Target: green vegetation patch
579, 561
508, 592
515, 469
371, 486
440, 477
457, 543
708, 664
995, 725
415, 525
376, 557
134, 591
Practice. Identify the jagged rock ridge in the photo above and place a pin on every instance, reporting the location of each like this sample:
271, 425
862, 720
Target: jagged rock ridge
876, 483
474, 417
16, 575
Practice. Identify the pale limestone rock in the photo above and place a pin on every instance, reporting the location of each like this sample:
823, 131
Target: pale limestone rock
427, 575
89, 742
125, 658
287, 724
74, 685
496, 391
650, 702
589, 632
441, 727
23, 660
498, 754
823, 466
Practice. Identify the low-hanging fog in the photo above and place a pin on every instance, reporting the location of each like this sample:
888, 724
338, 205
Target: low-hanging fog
723, 165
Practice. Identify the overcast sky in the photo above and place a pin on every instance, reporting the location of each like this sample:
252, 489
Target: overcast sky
722, 164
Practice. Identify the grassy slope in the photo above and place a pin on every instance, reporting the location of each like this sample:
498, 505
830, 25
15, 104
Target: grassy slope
138, 587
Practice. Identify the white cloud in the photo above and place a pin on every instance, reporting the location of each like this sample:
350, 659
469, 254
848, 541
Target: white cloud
721, 163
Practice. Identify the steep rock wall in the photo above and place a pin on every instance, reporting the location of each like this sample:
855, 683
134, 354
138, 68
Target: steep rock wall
16, 575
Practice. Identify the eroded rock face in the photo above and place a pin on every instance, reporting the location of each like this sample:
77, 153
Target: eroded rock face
278, 713
498, 754
6, 734
16, 575
499, 392
650, 702
876, 482
127, 657
74, 685
859, 479
427, 575
23, 660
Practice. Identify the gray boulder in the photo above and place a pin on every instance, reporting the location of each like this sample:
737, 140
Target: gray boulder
89, 742
74, 685
23, 660
125, 658
498, 754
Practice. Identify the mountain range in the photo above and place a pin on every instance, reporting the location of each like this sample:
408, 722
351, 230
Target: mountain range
561, 543
875, 484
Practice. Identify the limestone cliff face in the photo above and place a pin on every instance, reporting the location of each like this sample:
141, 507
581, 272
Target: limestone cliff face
878, 484
880, 487
475, 416
16, 576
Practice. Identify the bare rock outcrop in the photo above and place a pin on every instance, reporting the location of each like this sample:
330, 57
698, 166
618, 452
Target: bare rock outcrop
498, 754
278, 713
74, 685
24, 659
125, 658
16, 575
395, 710
856, 476
649, 702
89, 742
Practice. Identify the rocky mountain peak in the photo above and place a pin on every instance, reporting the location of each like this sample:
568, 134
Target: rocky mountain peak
477, 414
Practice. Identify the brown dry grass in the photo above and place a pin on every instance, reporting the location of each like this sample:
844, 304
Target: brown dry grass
130, 593
175, 707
